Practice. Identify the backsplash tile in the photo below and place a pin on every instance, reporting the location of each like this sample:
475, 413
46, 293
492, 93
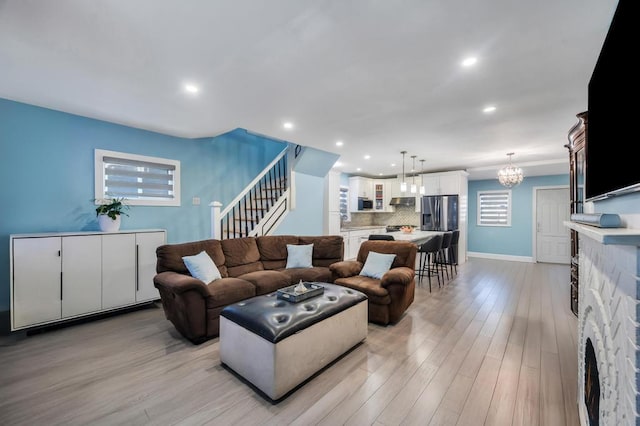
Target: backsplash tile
404, 215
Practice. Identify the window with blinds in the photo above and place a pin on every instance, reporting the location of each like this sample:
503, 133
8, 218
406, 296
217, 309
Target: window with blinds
142, 180
494, 208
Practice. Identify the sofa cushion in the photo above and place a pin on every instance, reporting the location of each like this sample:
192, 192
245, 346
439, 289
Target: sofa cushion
228, 290
369, 286
266, 281
314, 274
299, 256
377, 264
201, 266
241, 256
273, 250
405, 251
327, 249
169, 256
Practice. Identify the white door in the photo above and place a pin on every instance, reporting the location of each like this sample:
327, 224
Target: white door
146, 245
81, 274
118, 270
36, 281
552, 237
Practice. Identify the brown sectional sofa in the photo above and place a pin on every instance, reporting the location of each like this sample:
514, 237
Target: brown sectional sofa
249, 267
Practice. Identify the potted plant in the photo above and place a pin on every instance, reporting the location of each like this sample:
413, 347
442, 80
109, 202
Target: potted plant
109, 213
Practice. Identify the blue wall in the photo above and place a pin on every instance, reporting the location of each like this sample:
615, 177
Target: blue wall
514, 240
47, 175
307, 217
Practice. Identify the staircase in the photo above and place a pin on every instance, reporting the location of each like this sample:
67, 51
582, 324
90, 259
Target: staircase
260, 207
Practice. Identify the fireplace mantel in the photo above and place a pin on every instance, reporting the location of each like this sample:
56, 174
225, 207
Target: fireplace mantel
607, 236
609, 318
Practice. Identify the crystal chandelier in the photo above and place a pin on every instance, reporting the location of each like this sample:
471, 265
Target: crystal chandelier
510, 175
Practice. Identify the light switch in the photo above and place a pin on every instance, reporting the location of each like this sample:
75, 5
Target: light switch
196, 201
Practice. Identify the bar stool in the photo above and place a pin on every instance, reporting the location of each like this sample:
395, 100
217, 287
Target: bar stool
442, 258
428, 252
453, 250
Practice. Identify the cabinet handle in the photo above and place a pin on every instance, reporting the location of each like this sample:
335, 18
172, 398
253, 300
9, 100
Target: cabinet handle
60, 285
137, 270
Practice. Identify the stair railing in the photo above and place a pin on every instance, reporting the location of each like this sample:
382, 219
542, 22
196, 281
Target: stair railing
264, 200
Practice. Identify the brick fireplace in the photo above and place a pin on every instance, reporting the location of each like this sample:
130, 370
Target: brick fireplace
608, 326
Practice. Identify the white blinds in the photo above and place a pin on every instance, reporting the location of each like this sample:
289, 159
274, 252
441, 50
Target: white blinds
137, 179
494, 208
140, 179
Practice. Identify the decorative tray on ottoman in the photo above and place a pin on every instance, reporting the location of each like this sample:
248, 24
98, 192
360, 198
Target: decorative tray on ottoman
293, 293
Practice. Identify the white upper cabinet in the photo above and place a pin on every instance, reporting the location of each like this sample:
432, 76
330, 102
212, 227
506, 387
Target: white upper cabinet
447, 183
359, 187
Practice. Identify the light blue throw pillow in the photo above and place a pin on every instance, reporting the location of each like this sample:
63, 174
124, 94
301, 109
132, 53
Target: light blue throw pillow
377, 264
299, 256
201, 266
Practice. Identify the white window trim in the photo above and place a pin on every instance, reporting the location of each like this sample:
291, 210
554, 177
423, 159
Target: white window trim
479, 208
99, 177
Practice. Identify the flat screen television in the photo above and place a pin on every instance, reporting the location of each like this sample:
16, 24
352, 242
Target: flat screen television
612, 166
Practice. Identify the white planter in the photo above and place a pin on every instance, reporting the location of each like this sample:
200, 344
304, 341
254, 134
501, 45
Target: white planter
107, 224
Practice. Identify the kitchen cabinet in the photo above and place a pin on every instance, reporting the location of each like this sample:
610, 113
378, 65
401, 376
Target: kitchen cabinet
382, 195
68, 275
354, 238
359, 187
446, 183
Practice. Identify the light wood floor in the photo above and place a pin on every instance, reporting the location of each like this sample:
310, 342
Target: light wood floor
495, 346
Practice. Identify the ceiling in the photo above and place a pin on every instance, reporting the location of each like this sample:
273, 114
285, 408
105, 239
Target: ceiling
381, 76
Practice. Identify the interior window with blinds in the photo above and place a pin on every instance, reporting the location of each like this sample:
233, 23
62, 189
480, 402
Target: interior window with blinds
494, 208
142, 180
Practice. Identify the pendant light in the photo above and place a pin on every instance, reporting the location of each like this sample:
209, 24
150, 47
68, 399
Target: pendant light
403, 184
414, 188
510, 175
422, 190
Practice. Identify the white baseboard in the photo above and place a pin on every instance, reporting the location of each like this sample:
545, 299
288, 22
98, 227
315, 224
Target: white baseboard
527, 259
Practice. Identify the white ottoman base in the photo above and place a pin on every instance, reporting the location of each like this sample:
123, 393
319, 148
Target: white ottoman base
277, 368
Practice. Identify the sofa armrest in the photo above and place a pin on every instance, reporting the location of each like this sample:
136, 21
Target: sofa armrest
400, 275
346, 268
177, 283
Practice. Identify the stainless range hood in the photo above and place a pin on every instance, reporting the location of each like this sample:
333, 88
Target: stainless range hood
403, 201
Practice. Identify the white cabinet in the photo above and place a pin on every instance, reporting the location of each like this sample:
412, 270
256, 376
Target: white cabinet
447, 183
119, 270
146, 244
61, 276
359, 187
81, 270
382, 195
354, 238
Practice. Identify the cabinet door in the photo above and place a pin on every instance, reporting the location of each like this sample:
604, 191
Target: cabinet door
449, 184
81, 275
118, 270
36, 281
379, 196
431, 185
146, 245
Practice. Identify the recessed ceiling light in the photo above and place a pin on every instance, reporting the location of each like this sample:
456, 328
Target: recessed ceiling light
191, 88
358, 169
367, 156
470, 61
379, 174
489, 109
287, 125
339, 143
337, 164
393, 164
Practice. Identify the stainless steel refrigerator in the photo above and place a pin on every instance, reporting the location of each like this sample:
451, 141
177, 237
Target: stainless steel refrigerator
439, 213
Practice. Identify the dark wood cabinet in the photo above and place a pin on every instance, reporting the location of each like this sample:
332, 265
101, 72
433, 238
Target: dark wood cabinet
577, 156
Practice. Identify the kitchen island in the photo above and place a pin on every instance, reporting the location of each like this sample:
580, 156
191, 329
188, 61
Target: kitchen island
418, 237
